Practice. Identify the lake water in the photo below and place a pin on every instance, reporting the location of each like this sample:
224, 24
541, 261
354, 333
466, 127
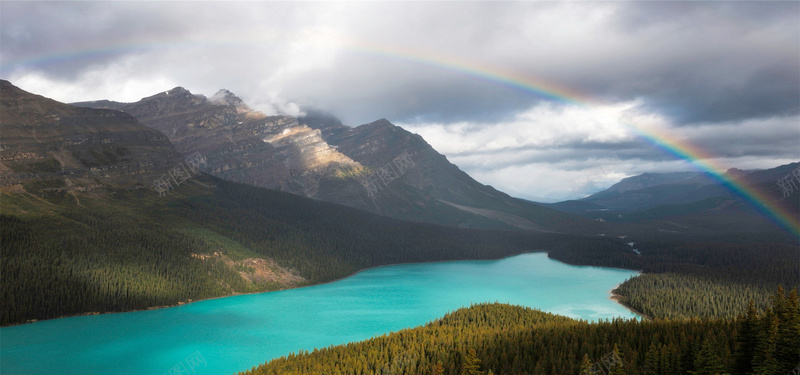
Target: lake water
232, 334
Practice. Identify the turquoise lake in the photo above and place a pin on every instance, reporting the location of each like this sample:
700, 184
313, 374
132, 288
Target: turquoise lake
232, 334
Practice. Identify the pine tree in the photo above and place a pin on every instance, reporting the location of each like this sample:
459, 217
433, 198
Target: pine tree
746, 340
670, 361
472, 364
651, 359
708, 361
438, 369
615, 363
586, 366
788, 341
764, 358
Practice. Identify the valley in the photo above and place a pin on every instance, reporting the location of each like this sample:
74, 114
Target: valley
236, 333
179, 198
400, 187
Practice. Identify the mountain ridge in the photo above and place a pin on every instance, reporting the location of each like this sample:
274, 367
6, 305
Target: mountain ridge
122, 244
44, 138
378, 167
690, 201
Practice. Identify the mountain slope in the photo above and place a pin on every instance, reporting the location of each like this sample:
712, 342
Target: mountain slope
505, 339
46, 140
430, 188
653, 189
376, 167
122, 245
240, 144
132, 249
691, 203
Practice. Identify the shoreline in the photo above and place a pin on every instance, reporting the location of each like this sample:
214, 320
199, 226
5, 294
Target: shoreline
182, 303
617, 298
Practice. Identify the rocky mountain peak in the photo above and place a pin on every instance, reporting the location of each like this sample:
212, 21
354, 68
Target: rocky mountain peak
45, 140
11, 91
226, 97
736, 173
380, 123
378, 166
177, 91
646, 180
319, 119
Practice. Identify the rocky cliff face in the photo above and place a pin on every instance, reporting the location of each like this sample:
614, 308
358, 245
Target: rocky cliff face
44, 140
406, 178
377, 167
241, 144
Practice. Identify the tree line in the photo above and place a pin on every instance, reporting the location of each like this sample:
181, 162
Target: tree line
124, 250
505, 339
683, 279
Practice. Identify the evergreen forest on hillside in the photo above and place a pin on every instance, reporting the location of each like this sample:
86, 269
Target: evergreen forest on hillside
690, 279
66, 254
505, 339
132, 249
709, 307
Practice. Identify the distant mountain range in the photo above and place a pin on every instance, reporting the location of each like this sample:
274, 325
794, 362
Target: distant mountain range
127, 206
44, 138
377, 167
678, 202
101, 213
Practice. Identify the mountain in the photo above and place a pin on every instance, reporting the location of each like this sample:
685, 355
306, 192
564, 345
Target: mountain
85, 230
241, 144
650, 190
72, 148
690, 202
653, 189
505, 339
646, 180
377, 167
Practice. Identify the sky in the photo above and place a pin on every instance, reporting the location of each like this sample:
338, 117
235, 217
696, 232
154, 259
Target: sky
544, 100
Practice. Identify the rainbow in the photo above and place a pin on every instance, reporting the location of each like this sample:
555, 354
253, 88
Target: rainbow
681, 149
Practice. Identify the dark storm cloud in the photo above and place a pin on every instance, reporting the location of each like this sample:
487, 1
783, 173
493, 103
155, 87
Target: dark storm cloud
724, 75
426, 94
727, 90
696, 62
64, 39
707, 61
639, 15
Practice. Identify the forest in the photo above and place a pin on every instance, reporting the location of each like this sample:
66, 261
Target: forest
132, 249
505, 339
694, 279
708, 307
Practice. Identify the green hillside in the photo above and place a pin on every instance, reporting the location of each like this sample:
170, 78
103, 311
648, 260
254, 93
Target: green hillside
504, 339
67, 253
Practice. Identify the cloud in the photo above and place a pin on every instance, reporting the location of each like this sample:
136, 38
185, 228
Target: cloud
710, 61
566, 152
96, 84
469, 76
